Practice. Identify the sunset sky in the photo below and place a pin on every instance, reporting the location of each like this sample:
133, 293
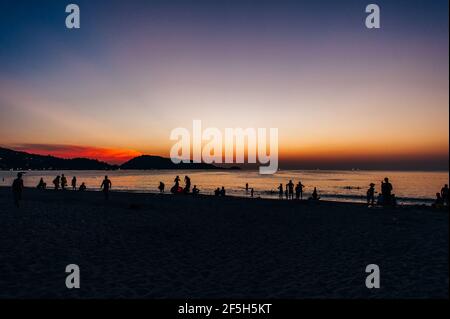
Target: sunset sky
341, 95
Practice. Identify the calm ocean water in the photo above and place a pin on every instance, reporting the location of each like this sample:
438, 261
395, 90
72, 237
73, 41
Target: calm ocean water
409, 187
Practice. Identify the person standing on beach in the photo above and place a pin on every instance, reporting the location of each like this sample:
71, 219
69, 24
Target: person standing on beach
17, 188
371, 195
252, 192
280, 191
106, 185
445, 194
246, 187
222, 191
161, 187
386, 191
299, 190
56, 182
187, 181
63, 182
291, 189
74, 183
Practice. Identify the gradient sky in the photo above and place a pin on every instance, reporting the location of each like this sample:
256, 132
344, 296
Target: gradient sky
341, 95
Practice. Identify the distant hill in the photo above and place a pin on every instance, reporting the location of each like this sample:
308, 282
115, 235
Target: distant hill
157, 162
10, 159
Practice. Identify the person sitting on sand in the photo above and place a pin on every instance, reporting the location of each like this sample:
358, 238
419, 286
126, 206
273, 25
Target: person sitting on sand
314, 195
195, 190
445, 194
17, 188
290, 186
56, 182
42, 184
106, 185
161, 187
82, 187
217, 192
438, 202
280, 191
63, 182
74, 183
187, 182
371, 195
222, 191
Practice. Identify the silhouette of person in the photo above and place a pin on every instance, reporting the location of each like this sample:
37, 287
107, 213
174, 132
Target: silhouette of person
187, 187
177, 181
63, 182
386, 191
445, 194
291, 189
286, 191
82, 187
314, 195
42, 184
106, 185
371, 195
74, 183
217, 192
246, 187
439, 201
280, 191
195, 190
252, 192
56, 182
299, 190
222, 191
17, 188
161, 187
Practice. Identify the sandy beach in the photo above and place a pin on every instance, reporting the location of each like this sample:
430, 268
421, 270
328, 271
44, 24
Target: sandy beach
165, 246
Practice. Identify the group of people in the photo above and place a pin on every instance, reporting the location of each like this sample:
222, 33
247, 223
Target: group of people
61, 181
177, 189
292, 189
385, 198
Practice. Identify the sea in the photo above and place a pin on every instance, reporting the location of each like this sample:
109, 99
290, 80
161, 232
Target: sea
410, 187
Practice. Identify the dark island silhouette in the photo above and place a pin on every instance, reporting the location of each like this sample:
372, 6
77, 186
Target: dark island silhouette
16, 160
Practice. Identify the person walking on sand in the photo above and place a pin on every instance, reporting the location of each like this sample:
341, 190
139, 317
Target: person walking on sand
291, 189
445, 194
74, 183
56, 182
63, 182
17, 188
280, 191
371, 195
106, 185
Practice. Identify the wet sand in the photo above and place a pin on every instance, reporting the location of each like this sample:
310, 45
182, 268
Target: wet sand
164, 246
